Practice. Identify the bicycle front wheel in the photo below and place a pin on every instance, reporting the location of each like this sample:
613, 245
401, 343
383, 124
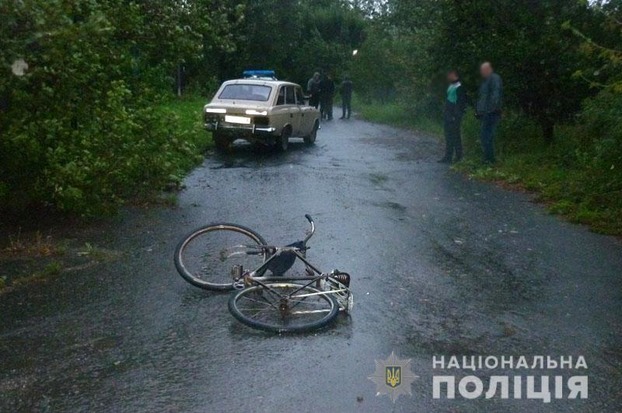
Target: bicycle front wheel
283, 307
206, 256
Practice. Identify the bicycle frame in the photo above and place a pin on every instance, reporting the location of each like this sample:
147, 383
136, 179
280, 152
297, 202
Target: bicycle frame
248, 278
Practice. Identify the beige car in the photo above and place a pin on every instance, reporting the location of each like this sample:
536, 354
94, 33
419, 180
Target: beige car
261, 111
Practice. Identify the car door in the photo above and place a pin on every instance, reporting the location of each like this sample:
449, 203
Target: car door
293, 109
306, 118
280, 114
286, 111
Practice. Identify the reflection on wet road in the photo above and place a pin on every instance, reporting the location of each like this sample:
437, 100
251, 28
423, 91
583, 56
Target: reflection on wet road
441, 265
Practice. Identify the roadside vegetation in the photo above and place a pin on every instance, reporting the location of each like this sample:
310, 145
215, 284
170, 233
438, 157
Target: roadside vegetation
561, 136
576, 177
396, 114
90, 116
99, 100
34, 258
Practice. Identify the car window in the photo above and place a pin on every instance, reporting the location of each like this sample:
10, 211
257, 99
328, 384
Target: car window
289, 95
281, 99
246, 92
300, 99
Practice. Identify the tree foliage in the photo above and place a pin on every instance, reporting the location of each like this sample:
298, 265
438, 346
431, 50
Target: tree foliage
79, 128
524, 40
79, 124
602, 44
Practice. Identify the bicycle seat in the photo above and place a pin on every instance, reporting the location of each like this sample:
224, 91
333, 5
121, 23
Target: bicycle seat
281, 264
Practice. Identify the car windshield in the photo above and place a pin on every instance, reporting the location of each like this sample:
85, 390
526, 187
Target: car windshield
246, 92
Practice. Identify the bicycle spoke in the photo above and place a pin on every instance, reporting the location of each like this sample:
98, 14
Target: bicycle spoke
287, 307
257, 301
207, 257
259, 312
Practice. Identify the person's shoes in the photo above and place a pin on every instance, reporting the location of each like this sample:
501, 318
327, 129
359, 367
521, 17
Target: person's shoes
444, 160
342, 117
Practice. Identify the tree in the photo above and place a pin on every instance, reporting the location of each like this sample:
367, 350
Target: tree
78, 126
525, 42
601, 44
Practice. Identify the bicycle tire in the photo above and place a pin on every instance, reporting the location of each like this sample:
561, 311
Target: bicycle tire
187, 274
240, 315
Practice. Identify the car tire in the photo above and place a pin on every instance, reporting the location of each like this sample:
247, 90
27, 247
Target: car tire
222, 143
310, 139
282, 142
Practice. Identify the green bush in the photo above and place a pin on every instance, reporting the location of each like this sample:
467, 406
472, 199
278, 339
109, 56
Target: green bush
602, 131
126, 148
82, 129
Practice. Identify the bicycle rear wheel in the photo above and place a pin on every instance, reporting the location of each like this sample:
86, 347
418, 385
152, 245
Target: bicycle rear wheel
283, 307
206, 256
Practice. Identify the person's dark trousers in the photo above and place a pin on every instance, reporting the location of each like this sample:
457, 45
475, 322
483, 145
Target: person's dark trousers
453, 138
323, 108
314, 101
346, 107
487, 136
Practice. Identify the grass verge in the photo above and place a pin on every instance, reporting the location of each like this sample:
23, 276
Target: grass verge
395, 114
566, 186
564, 191
188, 111
31, 259
187, 115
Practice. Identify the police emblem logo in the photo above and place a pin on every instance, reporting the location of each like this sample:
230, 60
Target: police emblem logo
394, 374
393, 377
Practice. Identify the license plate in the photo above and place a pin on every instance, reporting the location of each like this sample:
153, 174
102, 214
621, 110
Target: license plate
241, 120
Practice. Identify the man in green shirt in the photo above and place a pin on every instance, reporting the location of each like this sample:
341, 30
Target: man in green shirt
455, 105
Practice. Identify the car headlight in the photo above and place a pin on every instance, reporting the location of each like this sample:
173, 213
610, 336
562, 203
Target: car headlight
257, 112
215, 110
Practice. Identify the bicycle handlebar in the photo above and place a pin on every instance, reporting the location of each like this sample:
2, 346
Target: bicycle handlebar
310, 234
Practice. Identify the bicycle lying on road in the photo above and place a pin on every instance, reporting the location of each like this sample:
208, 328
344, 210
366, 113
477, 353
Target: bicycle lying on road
233, 257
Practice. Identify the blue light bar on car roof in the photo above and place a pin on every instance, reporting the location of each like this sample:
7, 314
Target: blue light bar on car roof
271, 74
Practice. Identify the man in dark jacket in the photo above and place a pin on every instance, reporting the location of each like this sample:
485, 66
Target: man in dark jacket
346, 97
455, 105
327, 92
488, 109
313, 90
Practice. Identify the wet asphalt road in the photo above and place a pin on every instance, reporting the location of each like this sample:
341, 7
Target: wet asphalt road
441, 265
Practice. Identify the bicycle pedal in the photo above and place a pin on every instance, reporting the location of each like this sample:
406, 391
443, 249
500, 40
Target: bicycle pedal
237, 271
343, 278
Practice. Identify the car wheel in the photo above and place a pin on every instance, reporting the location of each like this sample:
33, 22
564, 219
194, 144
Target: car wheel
222, 143
282, 142
310, 139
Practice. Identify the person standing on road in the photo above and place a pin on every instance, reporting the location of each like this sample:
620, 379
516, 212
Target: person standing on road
488, 109
327, 92
346, 97
313, 90
455, 105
